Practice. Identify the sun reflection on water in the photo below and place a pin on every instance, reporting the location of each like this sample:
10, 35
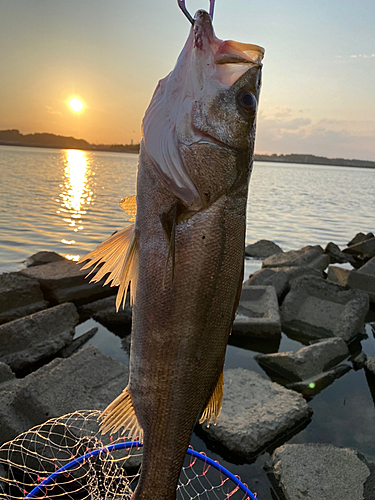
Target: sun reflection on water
76, 194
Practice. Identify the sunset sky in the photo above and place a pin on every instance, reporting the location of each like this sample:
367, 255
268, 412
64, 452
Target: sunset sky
318, 81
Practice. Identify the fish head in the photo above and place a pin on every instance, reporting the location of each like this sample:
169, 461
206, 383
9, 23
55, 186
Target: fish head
205, 109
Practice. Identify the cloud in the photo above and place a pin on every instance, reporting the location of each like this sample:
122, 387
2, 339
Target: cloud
362, 56
51, 111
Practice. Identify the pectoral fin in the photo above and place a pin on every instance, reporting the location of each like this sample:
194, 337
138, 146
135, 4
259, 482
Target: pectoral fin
129, 206
213, 408
120, 413
119, 256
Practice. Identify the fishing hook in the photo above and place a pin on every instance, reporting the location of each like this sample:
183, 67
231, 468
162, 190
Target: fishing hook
181, 4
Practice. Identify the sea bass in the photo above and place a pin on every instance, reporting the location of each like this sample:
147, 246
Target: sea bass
184, 255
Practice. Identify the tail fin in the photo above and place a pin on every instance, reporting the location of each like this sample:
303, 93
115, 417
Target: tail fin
119, 256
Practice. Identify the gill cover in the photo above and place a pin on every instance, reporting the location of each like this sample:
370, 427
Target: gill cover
206, 66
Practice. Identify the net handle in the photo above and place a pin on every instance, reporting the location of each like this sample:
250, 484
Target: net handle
135, 444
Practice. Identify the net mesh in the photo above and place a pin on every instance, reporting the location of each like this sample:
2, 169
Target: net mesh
34, 455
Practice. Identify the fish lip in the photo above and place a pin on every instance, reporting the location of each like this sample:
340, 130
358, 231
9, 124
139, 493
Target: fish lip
205, 138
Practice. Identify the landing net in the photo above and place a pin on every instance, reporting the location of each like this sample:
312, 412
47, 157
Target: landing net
68, 458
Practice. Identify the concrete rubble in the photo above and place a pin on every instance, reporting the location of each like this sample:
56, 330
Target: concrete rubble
370, 364
317, 471
255, 413
311, 256
359, 237
43, 257
315, 308
364, 249
312, 386
104, 311
308, 361
258, 313
361, 279
262, 249
64, 281
86, 380
28, 340
19, 296
336, 256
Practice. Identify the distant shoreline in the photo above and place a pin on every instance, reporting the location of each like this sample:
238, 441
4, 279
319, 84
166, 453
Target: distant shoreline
45, 140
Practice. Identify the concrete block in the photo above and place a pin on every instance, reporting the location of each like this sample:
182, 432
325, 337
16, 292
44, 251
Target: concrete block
338, 275
262, 249
317, 471
359, 237
315, 308
365, 249
19, 296
255, 413
270, 277
27, 340
336, 256
312, 386
311, 256
258, 313
64, 281
364, 279
104, 311
43, 257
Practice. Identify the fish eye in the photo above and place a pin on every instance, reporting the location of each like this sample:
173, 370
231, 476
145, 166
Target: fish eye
247, 102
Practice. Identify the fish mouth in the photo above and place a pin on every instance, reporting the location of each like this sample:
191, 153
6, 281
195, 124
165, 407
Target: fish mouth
205, 138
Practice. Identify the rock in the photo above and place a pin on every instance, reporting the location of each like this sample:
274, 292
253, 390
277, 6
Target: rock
64, 281
338, 275
361, 279
315, 384
263, 249
359, 361
270, 277
255, 412
337, 256
88, 379
308, 361
318, 471
369, 487
19, 296
311, 256
6, 373
315, 308
104, 311
359, 237
370, 364
364, 249
77, 343
40, 258
258, 313
27, 340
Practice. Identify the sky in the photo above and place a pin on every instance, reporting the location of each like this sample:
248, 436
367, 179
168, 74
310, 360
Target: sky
318, 75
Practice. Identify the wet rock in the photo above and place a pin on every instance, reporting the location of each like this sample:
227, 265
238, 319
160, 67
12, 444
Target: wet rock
5, 373
336, 256
27, 340
77, 343
311, 256
364, 249
270, 277
315, 384
369, 487
19, 296
104, 311
255, 412
315, 308
308, 361
258, 313
262, 249
63, 281
359, 237
88, 379
318, 471
40, 258
370, 364
359, 360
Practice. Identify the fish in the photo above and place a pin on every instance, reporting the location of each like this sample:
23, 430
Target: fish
183, 256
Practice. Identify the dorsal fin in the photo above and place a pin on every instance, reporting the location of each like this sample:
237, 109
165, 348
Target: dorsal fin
119, 256
129, 206
120, 413
213, 408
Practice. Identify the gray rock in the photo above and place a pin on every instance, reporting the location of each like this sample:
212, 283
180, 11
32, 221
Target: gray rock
104, 311
359, 237
315, 471
258, 313
311, 256
359, 361
338, 275
369, 488
365, 249
6, 373
40, 335
263, 249
255, 412
315, 384
88, 379
64, 281
270, 277
19, 296
315, 308
43, 257
77, 343
364, 279
308, 361
336, 255
370, 364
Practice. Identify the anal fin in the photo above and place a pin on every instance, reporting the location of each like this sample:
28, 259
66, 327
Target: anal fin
213, 408
120, 413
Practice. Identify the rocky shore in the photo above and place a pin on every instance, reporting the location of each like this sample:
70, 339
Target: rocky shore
318, 297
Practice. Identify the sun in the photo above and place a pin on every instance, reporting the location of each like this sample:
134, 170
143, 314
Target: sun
76, 104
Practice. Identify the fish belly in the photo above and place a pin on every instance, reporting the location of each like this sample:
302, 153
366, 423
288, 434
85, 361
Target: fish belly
180, 329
